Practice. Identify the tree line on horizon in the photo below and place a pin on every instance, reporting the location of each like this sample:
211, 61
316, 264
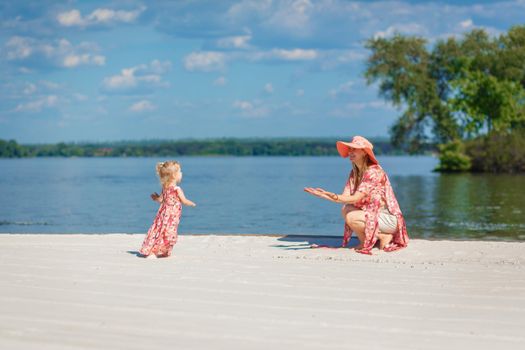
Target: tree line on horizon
465, 94
217, 147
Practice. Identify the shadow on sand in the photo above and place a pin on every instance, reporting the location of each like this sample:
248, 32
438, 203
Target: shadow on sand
136, 253
298, 242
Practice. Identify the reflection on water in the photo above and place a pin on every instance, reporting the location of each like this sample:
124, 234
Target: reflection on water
249, 195
465, 206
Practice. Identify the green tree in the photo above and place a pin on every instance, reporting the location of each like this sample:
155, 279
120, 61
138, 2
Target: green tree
454, 91
11, 149
484, 103
409, 77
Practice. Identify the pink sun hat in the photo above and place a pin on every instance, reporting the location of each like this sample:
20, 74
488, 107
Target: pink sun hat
357, 142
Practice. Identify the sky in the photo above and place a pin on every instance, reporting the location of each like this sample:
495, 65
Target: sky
78, 71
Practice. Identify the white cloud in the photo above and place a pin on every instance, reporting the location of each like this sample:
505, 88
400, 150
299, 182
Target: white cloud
38, 104
381, 104
343, 89
279, 55
25, 70
376, 104
246, 7
243, 105
80, 97
141, 106
49, 84
30, 89
268, 88
59, 52
41, 86
70, 18
208, 61
220, 81
159, 67
205, 61
249, 109
99, 16
345, 56
125, 79
332, 59
295, 54
293, 15
145, 76
76, 60
405, 28
350, 109
234, 42
466, 24
18, 48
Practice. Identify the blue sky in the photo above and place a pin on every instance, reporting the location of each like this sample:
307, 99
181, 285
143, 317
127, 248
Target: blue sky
129, 70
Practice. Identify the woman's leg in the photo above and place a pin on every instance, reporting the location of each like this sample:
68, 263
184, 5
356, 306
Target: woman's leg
387, 227
356, 220
346, 209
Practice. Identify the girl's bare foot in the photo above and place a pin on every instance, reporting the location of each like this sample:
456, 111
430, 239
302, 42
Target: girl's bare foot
359, 246
151, 256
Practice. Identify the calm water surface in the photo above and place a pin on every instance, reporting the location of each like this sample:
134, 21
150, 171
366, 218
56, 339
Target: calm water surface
249, 195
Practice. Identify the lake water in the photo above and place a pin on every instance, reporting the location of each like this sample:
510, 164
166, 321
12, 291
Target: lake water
249, 195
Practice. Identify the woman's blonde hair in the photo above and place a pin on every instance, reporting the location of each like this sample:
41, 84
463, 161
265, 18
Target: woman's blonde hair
167, 171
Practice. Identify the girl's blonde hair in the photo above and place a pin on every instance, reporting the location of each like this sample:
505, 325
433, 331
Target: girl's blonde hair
167, 171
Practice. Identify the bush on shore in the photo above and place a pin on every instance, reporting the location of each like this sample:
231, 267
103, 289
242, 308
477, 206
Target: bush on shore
498, 152
452, 158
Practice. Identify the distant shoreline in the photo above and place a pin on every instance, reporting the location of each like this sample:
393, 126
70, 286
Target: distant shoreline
238, 147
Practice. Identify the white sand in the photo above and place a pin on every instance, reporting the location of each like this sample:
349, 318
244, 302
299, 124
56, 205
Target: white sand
246, 292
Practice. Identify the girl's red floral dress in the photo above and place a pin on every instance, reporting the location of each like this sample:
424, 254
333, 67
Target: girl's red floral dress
162, 235
378, 194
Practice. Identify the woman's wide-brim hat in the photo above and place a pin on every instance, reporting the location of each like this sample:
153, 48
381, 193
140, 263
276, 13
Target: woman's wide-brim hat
358, 142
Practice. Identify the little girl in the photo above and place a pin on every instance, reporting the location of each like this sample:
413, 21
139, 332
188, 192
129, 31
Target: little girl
162, 235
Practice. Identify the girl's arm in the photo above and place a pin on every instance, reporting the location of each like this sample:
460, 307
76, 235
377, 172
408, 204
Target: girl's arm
344, 198
183, 198
156, 197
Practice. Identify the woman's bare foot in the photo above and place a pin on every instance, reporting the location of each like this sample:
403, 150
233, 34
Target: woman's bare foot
359, 246
384, 240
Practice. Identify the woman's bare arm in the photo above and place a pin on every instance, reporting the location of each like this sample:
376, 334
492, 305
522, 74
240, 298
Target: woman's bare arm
336, 198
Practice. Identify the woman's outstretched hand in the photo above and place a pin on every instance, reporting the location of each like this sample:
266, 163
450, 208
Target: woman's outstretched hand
319, 192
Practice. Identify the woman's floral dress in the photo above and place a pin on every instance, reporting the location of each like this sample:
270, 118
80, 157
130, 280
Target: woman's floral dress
162, 235
378, 193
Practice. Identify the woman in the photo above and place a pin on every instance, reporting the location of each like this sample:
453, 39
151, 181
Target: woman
370, 207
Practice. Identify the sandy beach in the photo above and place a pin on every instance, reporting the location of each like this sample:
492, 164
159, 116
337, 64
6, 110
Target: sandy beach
258, 292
